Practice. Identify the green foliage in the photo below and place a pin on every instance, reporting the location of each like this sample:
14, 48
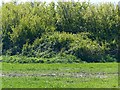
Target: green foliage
23, 23
70, 16
109, 58
21, 59
87, 31
60, 58
51, 44
78, 45
64, 58
86, 49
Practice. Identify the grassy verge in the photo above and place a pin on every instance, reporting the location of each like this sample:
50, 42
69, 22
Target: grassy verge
84, 75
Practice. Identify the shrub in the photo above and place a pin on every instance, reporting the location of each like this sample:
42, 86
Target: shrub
86, 49
78, 45
52, 44
22, 59
64, 58
45, 30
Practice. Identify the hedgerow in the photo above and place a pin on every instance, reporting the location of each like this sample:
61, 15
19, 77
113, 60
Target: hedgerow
86, 31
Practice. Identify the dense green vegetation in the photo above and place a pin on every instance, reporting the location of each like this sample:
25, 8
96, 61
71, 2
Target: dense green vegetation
82, 75
56, 59
77, 30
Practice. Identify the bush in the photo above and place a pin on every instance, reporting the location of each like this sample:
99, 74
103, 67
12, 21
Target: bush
46, 30
63, 58
78, 45
21, 59
86, 49
52, 44
60, 58
109, 58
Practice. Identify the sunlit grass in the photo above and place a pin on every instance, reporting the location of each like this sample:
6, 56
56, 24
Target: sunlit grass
84, 75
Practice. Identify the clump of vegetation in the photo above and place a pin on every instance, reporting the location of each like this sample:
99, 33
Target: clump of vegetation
57, 59
86, 31
79, 45
22, 59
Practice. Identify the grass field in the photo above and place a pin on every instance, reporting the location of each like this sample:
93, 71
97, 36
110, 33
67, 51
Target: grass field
82, 75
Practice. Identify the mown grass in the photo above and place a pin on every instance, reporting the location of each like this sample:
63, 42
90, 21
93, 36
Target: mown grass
82, 75
58, 67
58, 82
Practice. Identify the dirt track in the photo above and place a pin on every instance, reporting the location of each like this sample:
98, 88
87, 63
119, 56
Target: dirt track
76, 75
